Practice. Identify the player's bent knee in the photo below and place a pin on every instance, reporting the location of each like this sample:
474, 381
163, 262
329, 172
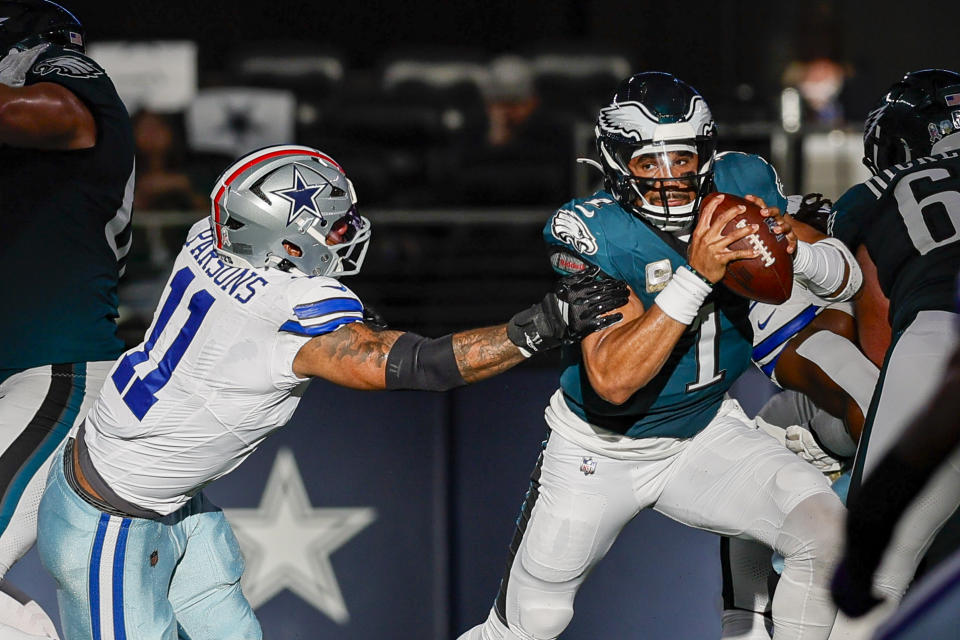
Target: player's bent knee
543, 616
813, 530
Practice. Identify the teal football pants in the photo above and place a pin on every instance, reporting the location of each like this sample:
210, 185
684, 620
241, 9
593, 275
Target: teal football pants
137, 579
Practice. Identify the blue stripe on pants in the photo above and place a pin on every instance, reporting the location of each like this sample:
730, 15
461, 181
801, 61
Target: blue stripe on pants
95, 576
118, 557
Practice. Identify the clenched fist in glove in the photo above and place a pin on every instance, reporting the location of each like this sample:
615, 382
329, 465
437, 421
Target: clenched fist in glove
574, 309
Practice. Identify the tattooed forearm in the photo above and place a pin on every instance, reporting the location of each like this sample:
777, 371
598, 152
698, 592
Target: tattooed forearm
353, 355
356, 356
359, 345
482, 353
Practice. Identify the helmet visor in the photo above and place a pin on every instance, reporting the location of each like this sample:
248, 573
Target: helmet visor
665, 175
345, 228
349, 238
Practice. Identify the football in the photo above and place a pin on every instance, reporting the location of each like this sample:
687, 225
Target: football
768, 277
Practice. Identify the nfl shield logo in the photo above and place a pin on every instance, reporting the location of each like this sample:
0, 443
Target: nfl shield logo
588, 466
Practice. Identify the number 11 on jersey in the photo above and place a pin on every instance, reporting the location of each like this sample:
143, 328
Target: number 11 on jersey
140, 396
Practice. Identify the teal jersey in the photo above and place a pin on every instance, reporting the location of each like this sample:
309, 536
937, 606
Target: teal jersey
65, 229
686, 394
908, 218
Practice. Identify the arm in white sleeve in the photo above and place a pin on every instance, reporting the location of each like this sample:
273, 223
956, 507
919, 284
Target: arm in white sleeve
828, 269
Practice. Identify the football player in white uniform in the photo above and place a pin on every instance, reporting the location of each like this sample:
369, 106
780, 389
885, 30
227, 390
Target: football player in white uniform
249, 315
807, 346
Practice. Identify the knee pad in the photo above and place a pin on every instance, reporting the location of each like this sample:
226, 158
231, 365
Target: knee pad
813, 531
542, 615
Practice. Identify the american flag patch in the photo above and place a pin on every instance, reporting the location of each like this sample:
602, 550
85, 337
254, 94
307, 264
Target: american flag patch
952, 100
75, 38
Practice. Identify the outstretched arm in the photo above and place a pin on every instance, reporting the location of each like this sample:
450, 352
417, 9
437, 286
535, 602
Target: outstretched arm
360, 357
357, 356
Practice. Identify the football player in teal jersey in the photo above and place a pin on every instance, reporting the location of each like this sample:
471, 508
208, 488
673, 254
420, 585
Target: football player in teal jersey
66, 184
907, 217
641, 419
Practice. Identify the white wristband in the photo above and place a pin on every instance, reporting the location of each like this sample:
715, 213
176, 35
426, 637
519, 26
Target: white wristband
683, 296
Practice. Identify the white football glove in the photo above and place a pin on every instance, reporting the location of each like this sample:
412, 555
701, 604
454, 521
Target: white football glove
14, 66
802, 443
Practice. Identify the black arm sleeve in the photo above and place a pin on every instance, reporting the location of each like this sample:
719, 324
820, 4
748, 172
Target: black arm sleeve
425, 364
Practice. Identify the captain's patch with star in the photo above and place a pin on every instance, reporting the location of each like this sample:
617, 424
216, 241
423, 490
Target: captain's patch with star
69, 66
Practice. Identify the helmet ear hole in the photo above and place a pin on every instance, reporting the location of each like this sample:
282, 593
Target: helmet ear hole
292, 249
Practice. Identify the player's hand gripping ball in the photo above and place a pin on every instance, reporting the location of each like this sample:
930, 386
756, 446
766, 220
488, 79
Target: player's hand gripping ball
769, 276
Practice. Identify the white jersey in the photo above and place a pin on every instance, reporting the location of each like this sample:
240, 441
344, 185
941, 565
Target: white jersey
775, 325
213, 377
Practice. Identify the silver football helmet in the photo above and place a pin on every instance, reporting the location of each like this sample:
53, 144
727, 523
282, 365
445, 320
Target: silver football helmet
290, 208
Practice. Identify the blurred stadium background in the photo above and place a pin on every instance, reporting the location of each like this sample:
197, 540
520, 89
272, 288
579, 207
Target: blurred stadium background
459, 123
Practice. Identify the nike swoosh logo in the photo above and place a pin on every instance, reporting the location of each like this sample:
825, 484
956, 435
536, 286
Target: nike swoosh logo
331, 286
763, 325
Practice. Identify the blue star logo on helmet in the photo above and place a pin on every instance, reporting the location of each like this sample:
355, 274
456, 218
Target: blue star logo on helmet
302, 196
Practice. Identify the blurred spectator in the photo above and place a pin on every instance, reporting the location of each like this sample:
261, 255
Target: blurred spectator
523, 157
510, 98
819, 82
162, 182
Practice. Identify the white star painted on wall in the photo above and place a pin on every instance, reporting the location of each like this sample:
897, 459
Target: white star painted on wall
287, 543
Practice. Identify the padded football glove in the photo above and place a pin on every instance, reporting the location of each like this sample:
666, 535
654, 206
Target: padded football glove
14, 66
571, 311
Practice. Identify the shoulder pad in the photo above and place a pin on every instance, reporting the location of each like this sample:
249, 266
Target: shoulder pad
577, 225
747, 174
847, 218
321, 305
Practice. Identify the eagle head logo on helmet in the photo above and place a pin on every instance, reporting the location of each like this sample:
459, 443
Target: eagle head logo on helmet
657, 121
291, 208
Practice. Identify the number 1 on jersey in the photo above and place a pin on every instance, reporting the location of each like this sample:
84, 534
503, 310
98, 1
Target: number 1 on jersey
708, 353
140, 396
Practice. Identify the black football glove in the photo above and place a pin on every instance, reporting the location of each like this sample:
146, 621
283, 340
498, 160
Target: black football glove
571, 311
814, 210
373, 319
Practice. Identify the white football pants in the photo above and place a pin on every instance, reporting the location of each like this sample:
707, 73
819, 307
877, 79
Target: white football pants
731, 479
